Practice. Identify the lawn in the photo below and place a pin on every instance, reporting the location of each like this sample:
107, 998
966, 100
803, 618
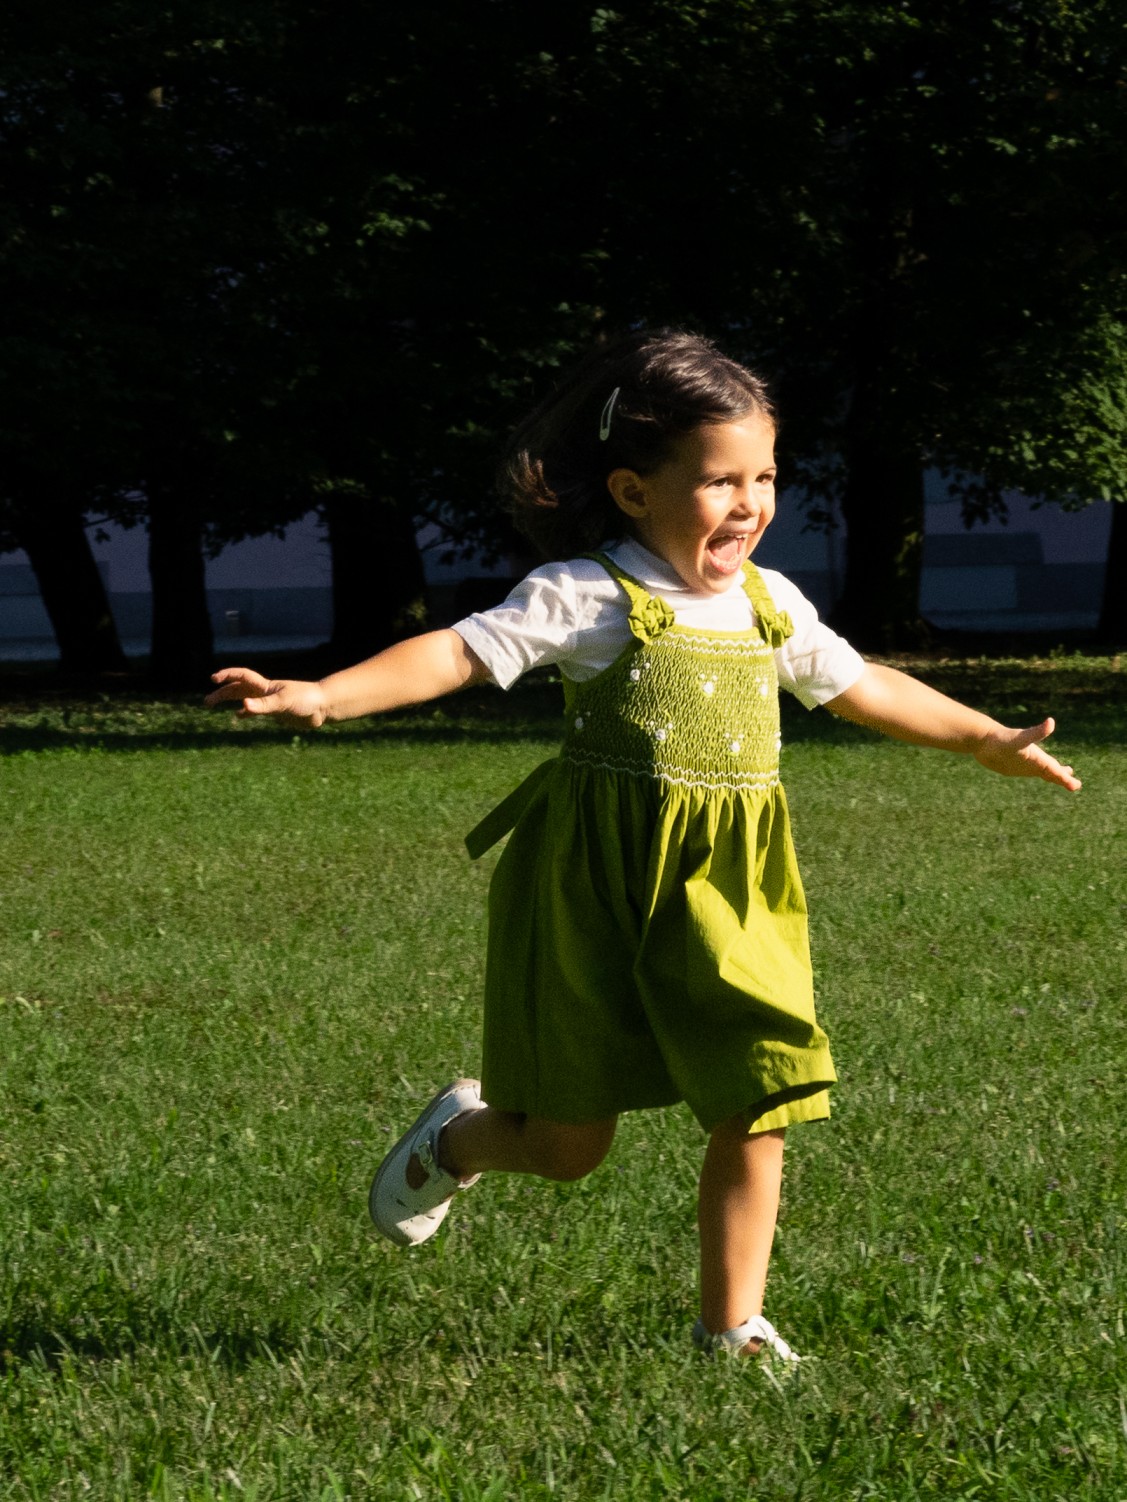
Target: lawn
235, 964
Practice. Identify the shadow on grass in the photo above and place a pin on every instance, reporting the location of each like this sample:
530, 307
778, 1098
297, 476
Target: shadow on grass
15, 740
235, 1347
532, 711
1087, 697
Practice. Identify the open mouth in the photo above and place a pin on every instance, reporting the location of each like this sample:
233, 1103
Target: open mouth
725, 551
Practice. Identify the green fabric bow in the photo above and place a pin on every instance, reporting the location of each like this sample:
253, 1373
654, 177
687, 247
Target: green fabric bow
775, 626
649, 618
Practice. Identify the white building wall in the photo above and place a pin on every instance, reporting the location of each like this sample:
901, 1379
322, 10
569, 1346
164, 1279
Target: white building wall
1042, 570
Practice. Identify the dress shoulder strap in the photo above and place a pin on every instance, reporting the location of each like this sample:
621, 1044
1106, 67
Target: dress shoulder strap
649, 614
775, 625
635, 592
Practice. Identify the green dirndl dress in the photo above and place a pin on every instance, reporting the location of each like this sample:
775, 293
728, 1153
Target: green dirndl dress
647, 925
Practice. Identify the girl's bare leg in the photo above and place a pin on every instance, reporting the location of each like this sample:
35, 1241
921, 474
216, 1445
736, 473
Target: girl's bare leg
507, 1142
737, 1210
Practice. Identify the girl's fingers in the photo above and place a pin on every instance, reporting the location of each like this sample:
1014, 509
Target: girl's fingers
236, 683
1018, 753
228, 691
295, 702
242, 675
1035, 733
1046, 766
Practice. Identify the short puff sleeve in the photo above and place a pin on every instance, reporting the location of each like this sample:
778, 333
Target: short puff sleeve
815, 664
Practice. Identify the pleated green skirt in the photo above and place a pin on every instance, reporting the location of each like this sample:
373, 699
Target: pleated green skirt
648, 944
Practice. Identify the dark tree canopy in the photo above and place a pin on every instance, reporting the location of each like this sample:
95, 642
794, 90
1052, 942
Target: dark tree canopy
281, 254
913, 215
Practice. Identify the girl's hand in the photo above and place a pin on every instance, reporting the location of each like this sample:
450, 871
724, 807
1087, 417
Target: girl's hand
887, 700
298, 702
1016, 753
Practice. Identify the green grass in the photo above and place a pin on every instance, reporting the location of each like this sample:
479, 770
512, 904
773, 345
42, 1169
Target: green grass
235, 963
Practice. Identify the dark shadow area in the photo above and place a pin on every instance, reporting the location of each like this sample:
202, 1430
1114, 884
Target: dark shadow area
15, 740
119, 718
1087, 696
236, 1347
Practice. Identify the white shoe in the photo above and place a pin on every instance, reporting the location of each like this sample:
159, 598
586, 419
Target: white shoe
735, 1341
409, 1210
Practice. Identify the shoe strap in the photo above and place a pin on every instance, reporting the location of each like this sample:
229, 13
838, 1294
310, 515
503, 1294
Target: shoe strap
425, 1152
756, 1328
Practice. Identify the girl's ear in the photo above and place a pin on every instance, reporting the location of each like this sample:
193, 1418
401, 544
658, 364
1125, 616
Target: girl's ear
628, 491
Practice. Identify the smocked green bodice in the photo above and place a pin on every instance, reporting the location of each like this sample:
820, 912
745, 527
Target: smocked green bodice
687, 707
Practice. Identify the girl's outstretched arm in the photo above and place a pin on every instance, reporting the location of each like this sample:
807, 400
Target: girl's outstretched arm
410, 672
906, 709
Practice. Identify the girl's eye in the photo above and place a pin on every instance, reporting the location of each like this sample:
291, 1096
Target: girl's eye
767, 479
722, 480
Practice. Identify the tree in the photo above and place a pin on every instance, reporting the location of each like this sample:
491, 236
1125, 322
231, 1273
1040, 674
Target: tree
134, 229
977, 211
913, 215
402, 278
295, 280
70, 584
55, 418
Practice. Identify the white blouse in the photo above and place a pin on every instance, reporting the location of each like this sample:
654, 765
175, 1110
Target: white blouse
574, 615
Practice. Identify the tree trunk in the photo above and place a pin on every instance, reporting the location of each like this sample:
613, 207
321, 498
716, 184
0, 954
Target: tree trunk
883, 506
378, 585
1113, 616
74, 595
883, 497
182, 636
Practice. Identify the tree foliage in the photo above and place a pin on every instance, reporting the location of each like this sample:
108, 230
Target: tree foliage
914, 216
279, 253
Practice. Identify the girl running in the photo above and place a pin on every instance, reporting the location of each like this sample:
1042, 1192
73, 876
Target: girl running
647, 924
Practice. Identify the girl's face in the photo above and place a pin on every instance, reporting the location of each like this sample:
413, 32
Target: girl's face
705, 509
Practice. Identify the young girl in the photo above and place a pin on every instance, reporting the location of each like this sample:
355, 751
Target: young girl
647, 926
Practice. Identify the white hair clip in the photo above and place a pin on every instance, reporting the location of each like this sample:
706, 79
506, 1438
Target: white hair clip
604, 420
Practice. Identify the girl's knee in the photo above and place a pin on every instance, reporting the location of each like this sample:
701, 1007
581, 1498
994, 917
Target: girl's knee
565, 1151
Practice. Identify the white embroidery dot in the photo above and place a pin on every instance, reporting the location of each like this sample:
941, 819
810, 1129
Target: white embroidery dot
764, 689
734, 746
635, 674
659, 735
579, 722
708, 686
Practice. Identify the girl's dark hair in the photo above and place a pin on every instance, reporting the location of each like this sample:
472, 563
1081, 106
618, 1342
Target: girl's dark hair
554, 474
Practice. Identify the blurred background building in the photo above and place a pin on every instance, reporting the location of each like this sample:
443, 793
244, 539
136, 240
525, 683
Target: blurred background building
1042, 572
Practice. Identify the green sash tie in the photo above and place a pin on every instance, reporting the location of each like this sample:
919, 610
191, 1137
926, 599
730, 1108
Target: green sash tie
501, 820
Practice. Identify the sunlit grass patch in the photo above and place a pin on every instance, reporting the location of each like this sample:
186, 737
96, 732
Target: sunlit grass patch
235, 963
